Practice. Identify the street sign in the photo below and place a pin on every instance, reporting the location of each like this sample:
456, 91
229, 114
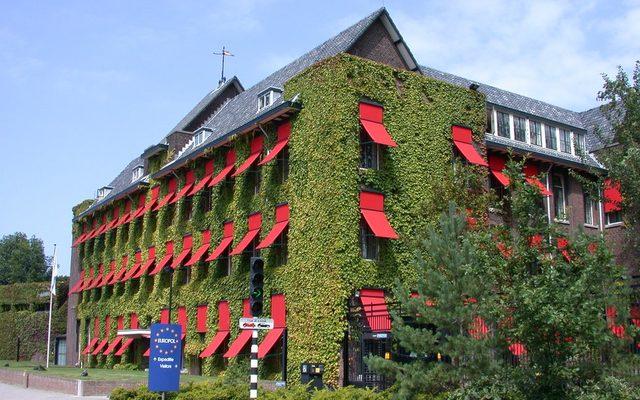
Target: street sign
165, 357
256, 323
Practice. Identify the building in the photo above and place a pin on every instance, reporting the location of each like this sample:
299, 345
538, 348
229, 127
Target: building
323, 169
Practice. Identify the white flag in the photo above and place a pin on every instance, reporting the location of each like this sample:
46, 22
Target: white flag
54, 271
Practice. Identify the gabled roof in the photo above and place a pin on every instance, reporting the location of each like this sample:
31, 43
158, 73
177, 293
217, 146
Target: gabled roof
512, 100
206, 100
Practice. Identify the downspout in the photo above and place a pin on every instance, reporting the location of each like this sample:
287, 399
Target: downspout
548, 198
600, 213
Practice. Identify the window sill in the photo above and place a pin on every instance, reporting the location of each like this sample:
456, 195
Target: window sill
614, 225
561, 221
591, 226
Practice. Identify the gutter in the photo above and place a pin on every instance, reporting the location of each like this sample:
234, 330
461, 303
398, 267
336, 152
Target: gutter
125, 192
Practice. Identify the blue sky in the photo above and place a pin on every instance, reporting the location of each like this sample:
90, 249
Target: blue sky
87, 86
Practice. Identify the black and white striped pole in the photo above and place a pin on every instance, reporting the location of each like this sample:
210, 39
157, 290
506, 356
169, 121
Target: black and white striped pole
256, 292
253, 373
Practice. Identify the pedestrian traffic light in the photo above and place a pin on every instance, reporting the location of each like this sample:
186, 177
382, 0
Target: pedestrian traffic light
256, 282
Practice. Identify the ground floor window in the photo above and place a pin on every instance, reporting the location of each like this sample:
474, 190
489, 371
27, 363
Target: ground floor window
369, 243
613, 217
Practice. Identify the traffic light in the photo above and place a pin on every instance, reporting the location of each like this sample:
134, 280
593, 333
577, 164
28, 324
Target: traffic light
256, 281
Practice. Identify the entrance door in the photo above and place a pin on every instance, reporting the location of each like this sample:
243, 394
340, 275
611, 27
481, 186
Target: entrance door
61, 351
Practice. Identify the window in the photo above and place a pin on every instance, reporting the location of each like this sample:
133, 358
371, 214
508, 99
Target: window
224, 262
205, 200
613, 217
268, 97
187, 210
550, 136
489, 120
282, 165
520, 129
588, 210
579, 143
565, 141
255, 178
281, 249
535, 133
369, 243
369, 152
103, 192
503, 125
559, 201
199, 138
137, 173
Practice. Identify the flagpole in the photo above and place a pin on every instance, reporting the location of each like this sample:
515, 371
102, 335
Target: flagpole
51, 291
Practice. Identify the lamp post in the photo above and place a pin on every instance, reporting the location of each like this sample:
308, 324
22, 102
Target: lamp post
169, 271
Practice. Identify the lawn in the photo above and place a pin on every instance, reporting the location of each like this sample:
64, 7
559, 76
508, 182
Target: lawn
95, 374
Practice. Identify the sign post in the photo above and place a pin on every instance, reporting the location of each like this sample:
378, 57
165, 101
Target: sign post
254, 324
165, 357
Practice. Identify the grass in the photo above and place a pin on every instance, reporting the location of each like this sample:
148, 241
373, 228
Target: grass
95, 374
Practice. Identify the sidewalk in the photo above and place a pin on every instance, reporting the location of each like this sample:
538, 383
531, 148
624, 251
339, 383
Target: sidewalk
20, 393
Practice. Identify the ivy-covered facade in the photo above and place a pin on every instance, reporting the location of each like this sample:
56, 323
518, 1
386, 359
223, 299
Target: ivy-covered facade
327, 169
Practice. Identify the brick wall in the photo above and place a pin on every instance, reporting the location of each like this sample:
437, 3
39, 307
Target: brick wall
376, 44
72, 305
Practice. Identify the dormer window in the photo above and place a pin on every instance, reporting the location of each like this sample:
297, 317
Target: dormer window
137, 173
103, 192
267, 97
199, 137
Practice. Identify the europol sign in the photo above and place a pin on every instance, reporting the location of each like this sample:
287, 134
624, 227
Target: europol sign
165, 357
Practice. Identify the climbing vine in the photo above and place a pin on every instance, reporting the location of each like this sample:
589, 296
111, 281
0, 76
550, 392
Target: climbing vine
324, 266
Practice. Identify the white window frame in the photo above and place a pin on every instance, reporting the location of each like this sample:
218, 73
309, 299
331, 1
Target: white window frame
138, 172
199, 138
612, 224
265, 100
564, 199
588, 211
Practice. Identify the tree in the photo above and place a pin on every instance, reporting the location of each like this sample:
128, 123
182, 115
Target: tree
22, 259
515, 311
621, 155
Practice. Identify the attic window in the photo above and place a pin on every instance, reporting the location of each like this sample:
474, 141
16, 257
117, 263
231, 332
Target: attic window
137, 173
199, 137
103, 192
268, 97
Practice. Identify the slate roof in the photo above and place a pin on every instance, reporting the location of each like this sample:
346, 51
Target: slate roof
211, 96
595, 120
512, 100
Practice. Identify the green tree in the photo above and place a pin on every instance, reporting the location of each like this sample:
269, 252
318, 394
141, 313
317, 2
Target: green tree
539, 293
621, 155
22, 259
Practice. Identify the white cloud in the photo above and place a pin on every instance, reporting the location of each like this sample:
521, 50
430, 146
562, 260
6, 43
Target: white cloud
550, 50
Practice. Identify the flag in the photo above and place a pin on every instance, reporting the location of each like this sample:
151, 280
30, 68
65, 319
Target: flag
54, 271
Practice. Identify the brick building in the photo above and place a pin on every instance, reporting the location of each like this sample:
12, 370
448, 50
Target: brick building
320, 168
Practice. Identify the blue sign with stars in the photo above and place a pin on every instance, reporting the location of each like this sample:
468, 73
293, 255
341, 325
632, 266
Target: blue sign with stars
165, 357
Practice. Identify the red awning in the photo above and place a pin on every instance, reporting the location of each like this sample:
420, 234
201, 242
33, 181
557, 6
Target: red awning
256, 151
255, 220
284, 130
112, 270
105, 341
92, 343
531, 175
78, 285
612, 196
119, 276
114, 219
151, 258
372, 209
126, 215
228, 167
182, 320
100, 347
117, 340
197, 256
189, 178
497, 165
278, 313
375, 310
164, 316
97, 282
201, 318
282, 222
224, 323
144, 206
165, 260
208, 175
171, 191
227, 239
88, 279
187, 242
244, 337
124, 347
371, 120
134, 269
463, 140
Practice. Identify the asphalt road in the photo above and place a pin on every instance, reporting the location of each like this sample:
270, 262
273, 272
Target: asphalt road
10, 392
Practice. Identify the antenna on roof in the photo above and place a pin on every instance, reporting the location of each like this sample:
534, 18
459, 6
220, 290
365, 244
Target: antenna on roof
224, 53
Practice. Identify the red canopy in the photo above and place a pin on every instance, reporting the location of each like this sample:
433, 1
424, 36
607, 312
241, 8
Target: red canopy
187, 242
497, 166
375, 310
372, 209
531, 175
284, 130
278, 313
282, 222
244, 337
224, 323
151, 258
229, 165
165, 260
371, 120
255, 220
189, 179
208, 175
197, 256
171, 191
256, 151
227, 239
463, 140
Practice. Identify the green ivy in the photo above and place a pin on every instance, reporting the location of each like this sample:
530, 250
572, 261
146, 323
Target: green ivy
324, 265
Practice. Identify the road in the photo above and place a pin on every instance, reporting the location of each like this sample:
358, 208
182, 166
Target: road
19, 393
